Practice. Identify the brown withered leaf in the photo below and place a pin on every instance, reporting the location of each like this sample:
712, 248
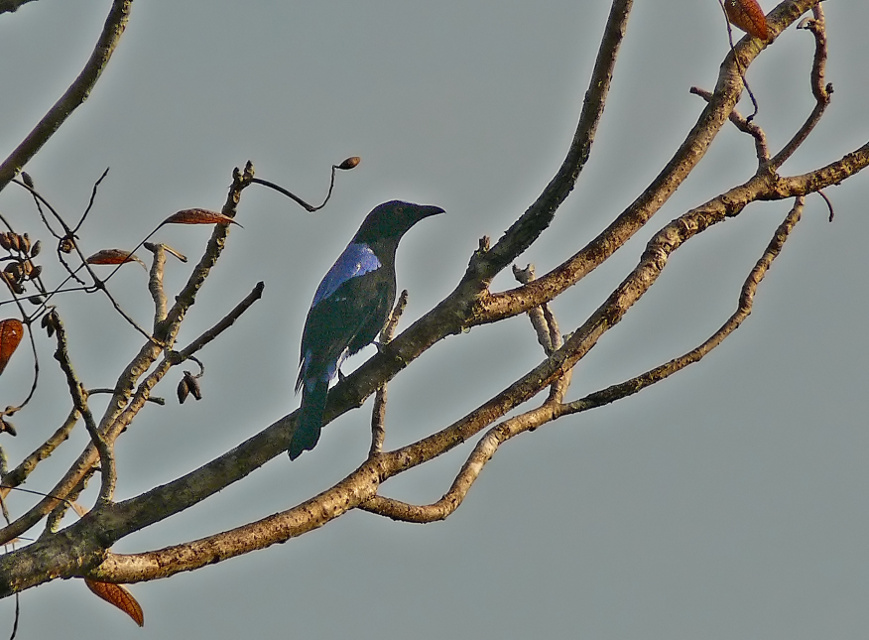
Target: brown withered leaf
11, 332
114, 256
198, 216
119, 596
748, 16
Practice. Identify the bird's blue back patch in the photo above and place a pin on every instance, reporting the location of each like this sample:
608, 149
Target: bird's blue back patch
357, 260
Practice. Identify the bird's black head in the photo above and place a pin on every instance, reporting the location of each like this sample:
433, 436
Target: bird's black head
391, 220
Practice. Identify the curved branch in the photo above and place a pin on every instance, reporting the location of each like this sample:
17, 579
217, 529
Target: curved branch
74, 96
728, 89
821, 91
484, 450
746, 301
277, 528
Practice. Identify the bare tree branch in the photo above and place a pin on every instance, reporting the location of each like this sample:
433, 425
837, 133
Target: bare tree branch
18, 475
484, 265
9, 6
493, 307
108, 473
74, 96
378, 411
746, 301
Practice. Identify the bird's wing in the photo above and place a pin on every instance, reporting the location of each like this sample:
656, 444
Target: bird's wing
356, 260
342, 324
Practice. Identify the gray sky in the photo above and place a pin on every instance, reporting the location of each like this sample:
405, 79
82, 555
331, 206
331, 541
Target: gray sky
727, 502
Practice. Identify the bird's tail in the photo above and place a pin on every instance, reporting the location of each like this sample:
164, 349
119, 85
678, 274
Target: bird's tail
314, 392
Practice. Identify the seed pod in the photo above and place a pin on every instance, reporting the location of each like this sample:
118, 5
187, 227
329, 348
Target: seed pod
49, 322
349, 163
14, 272
66, 244
36, 248
193, 385
183, 391
8, 427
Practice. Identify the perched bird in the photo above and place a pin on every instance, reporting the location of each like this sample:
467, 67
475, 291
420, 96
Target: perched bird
350, 307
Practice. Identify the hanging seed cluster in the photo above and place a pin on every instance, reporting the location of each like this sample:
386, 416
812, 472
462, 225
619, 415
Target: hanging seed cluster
20, 266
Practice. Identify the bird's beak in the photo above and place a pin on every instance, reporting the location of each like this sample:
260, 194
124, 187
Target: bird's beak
429, 210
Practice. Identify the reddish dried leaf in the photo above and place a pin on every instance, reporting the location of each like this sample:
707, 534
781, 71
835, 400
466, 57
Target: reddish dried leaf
198, 216
11, 332
748, 16
113, 256
118, 596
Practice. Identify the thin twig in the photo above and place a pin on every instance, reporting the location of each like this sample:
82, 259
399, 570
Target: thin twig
743, 124
742, 69
19, 474
98, 390
91, 201
821, 91
155, 282
108, 473
225, 323
347, 164
98, 283
548, 335
378, 411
